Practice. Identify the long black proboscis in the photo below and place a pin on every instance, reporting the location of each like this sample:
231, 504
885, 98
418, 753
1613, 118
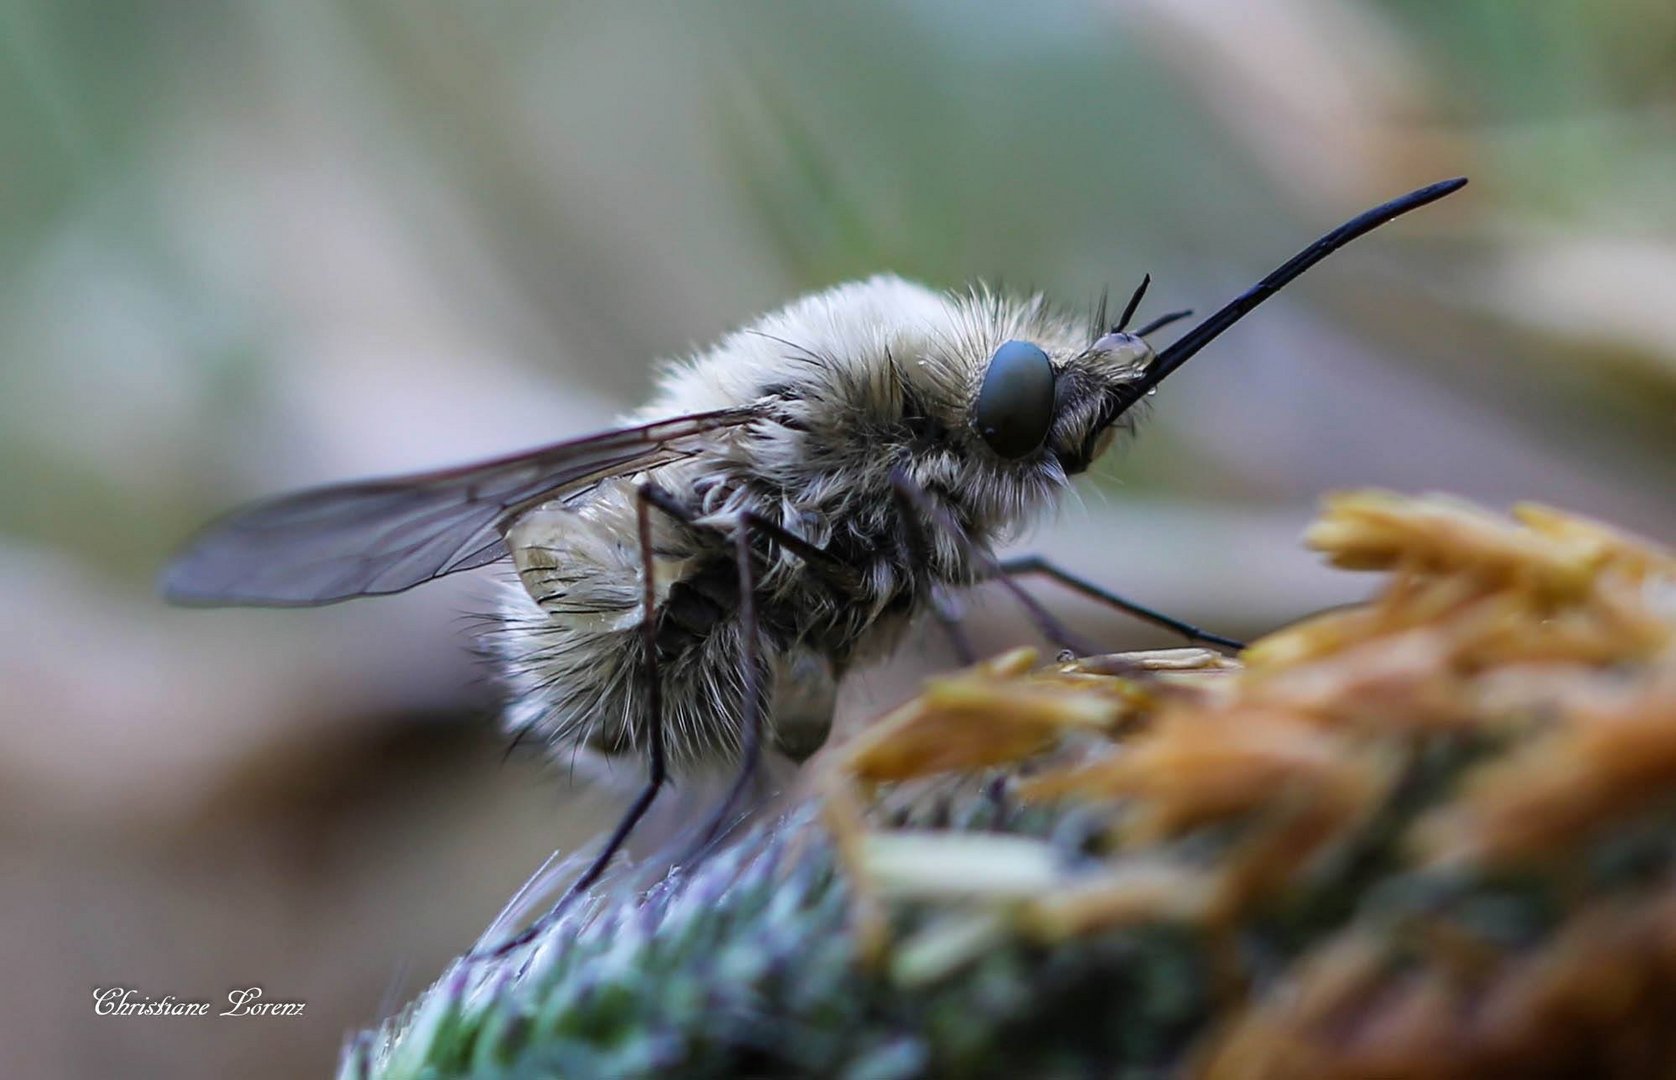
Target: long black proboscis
1203, 334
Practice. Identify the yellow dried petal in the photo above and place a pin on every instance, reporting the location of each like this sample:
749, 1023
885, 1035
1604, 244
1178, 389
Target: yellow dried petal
1611, 755
1136, 891
1633, 554
1373, 530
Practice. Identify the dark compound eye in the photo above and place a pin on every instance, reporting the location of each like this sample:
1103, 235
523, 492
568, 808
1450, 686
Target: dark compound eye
1015, 403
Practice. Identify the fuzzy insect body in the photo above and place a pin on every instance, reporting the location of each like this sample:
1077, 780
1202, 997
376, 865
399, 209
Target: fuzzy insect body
842, 392
695, 583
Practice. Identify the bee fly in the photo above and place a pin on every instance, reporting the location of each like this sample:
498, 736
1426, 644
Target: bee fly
695, 583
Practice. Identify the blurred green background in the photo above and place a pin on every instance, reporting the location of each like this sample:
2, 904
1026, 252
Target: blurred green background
255, 245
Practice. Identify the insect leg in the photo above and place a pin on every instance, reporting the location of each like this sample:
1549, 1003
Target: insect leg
910, 499
750, 745
829, 566
916, 502
751, 705
646, 497
645, 500
1035, 564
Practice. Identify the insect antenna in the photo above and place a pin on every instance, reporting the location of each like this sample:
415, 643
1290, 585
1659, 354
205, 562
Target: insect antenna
1134, 303
1164, 320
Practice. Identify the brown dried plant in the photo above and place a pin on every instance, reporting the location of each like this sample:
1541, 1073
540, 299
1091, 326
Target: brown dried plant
1533, 656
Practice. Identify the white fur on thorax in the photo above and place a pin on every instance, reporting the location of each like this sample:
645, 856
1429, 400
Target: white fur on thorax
861, 321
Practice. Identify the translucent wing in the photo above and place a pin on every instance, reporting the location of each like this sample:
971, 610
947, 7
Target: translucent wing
383, 536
